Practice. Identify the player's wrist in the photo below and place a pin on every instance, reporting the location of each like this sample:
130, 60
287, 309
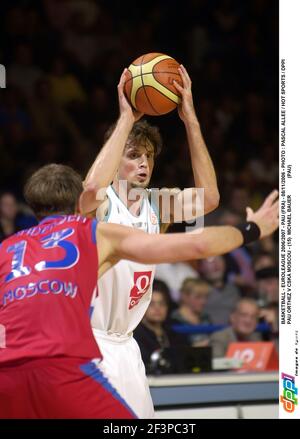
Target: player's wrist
250, 231
191, 121
126, 119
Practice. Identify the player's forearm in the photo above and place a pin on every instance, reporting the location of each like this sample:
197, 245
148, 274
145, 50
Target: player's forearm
107, 162
104, 167
148, 249
202, 165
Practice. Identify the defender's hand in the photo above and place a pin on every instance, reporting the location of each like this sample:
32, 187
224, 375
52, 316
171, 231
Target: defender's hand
267, 216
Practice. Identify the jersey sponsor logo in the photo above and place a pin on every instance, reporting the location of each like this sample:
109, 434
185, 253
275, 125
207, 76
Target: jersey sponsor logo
153, 219
142, 282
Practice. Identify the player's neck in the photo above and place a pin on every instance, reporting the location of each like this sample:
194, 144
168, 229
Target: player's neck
134, 206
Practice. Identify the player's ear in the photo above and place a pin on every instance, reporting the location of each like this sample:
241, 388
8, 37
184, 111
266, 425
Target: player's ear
77, 210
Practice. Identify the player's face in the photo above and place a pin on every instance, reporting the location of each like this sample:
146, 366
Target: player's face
136, 165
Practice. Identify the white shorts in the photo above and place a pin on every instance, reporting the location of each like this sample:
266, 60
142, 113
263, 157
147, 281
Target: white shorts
123, 366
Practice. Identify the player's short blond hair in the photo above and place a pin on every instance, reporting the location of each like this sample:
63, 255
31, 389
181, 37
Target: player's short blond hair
53, 189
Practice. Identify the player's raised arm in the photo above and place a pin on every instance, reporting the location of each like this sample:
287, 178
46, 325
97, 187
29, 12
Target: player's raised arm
203, 168
106, 164
116, 242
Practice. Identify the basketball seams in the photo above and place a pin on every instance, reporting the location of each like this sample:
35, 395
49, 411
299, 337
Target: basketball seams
163, 86
157, 80
149, 102
150, 73
145, 72
158, 91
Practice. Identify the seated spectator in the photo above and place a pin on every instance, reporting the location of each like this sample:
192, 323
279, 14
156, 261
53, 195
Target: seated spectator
65, 87
244, 320
263, 260
49, 119
12, 110
239, 270
154, 334
11, 218
194, 294
174, 274
268, 293
23, 73
224, 295
160, 285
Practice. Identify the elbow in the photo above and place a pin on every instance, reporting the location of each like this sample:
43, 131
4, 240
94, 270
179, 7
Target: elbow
89, 199
211, 202
89, 187
199, 248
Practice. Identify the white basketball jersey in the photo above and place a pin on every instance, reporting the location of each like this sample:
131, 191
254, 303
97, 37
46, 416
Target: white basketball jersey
124, 291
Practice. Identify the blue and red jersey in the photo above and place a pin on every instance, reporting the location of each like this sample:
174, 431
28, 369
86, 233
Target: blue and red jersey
47, 277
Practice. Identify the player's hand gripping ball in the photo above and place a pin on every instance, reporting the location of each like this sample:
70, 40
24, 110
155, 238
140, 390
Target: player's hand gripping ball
149, 85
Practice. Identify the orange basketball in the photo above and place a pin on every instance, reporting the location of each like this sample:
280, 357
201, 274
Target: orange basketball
149, 85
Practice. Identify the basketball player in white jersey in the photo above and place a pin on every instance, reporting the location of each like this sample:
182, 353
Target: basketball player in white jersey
125, 290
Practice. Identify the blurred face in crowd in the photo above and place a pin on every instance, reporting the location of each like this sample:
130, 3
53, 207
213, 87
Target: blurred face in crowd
24, 55
269, 288
229, 218
264, 261
136, 165
158, 309
8, 206
196, 297
244, 319
213, 268
99, 99
239, 200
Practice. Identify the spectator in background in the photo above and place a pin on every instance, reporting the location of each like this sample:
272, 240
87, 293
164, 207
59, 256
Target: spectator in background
194, 295
267, 277
243, 319
224, 295
174, 275
262, 260
264, 168
65, 87
239, 270
49, 119
11, 218
154, 334
238, 200
79, 37
12, 111
23, 73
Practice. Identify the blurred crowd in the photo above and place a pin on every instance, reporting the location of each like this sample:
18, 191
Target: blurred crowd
63, 60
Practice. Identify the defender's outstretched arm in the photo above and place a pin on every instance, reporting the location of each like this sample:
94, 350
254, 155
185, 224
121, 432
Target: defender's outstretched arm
117, 242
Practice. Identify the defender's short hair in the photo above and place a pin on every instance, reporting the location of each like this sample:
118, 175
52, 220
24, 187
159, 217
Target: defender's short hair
53, 189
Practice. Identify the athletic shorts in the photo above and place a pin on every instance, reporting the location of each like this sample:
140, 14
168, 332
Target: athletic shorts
123, 365
59, 388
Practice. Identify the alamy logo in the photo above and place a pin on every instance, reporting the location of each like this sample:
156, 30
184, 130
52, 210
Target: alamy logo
2, 76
